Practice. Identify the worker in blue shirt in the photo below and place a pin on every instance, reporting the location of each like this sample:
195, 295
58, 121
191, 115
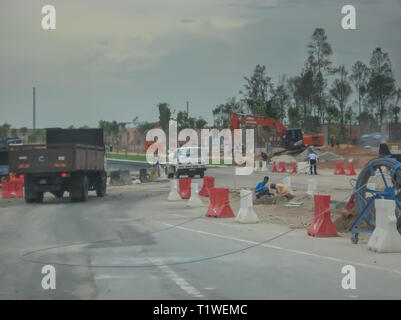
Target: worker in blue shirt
262, 189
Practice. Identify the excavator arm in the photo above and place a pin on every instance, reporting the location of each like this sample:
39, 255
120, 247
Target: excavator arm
292, 138
256, 120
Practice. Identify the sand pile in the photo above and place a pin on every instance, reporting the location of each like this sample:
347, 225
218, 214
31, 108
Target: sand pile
284, 158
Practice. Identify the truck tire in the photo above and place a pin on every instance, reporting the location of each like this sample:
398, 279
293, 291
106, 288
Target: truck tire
101, 185
79, 187
30, 195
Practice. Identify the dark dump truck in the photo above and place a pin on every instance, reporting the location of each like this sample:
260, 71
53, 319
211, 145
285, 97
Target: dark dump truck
3, 161
72, 160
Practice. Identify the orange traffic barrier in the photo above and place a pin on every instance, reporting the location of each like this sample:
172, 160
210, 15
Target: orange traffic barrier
351, 203
339, 168
293, 167
350, 170
322, 226
185, 188
219, 204
282, 167
12, 189
208, 182
274, 167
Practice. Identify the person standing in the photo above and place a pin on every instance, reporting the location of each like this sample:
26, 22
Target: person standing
313, 162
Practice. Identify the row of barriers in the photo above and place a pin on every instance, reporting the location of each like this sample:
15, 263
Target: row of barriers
385, 238
13, 188
282, 167
339, 169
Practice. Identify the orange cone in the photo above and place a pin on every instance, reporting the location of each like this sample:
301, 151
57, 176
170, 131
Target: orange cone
350, 170
339, 168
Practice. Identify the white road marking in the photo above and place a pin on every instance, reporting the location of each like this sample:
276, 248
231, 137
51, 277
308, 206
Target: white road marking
289, 250
182, 283
109, 276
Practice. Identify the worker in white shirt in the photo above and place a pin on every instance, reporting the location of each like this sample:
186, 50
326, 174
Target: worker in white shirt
313, 162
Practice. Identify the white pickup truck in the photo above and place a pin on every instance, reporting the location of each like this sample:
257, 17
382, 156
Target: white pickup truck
188, 162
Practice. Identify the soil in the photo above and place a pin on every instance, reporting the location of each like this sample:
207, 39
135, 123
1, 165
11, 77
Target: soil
360, 156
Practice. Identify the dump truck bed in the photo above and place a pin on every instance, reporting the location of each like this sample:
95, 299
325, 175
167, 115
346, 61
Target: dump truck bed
55, 158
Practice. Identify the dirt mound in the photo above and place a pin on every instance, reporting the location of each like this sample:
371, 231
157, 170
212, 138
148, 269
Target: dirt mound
360, 155
270, 200
345, 219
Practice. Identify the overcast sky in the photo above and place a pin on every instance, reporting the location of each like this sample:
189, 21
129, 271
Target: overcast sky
116, 60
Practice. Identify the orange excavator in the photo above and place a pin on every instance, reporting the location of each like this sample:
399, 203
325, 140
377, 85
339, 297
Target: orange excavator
290, 138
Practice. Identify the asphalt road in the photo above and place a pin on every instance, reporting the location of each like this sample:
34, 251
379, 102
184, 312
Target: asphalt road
133, 244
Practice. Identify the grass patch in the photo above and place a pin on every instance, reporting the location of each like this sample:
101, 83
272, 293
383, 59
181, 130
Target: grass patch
122, 156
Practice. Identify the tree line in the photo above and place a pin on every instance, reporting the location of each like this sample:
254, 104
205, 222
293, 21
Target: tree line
321, 93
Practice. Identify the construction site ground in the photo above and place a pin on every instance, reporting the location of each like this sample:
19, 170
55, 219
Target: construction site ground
114, 247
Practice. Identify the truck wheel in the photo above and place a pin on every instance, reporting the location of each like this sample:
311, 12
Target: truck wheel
79, 188
30, 195
101, 185
85, 188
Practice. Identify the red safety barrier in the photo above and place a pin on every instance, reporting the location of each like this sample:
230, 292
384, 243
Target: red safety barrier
293, 167
339, 168
208, 182
12, 189
322, 226
185, 188
274, 167
282, 167
350, 170
351, 203
219, 204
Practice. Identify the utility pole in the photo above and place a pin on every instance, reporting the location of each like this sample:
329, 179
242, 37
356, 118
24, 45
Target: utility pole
34, 108
187, 109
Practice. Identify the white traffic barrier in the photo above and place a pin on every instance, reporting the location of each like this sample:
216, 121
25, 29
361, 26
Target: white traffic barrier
385, 237
246, 213
302, 167
194, 200
264, 166
173, 195
257, 166
311, 187
162, 171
